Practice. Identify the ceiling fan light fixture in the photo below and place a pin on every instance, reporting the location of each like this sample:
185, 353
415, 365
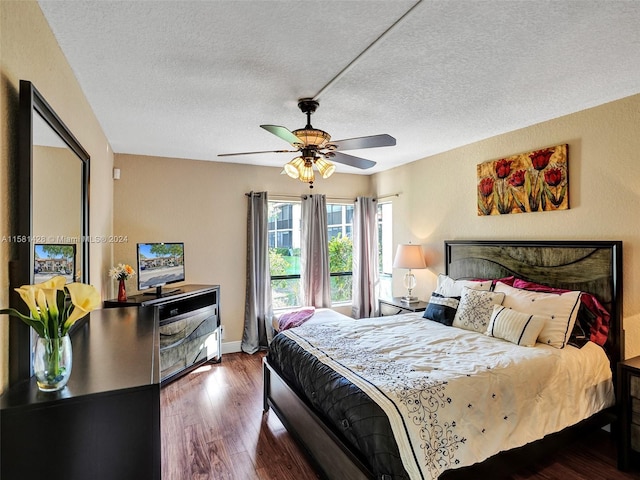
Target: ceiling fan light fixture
306, 172
293, 167
312, 137
314, 147
325, 168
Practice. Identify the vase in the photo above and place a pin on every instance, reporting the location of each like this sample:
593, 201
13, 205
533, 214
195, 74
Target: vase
52, 362
122, 291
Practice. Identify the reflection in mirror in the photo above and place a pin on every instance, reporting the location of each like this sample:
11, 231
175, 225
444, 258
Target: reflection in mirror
57, 203
52, 208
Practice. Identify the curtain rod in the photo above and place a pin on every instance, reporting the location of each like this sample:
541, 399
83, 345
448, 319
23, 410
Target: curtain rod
389, 195
339, 199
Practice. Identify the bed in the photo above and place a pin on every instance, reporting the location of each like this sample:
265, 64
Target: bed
450, 390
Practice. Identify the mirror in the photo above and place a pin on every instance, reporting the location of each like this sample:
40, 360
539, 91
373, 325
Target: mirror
56, 220
52, 212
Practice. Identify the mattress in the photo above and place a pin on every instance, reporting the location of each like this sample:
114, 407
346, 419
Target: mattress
417, 398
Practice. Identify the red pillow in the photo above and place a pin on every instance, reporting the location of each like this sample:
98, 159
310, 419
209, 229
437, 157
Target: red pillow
536, 287
599, 329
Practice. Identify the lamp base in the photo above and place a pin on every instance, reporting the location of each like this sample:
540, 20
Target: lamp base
410, 299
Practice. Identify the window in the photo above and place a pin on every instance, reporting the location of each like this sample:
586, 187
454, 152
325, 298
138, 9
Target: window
284, 227
339, 228
284, 253
280, 224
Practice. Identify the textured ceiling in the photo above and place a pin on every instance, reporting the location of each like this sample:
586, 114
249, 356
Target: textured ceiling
193, 79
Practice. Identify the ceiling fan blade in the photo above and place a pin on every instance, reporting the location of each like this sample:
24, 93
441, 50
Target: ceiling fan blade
382, 140
284, 133
350, 160
252, 153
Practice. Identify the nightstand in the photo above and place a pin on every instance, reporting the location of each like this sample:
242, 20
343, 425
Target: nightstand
395, 306
629, 412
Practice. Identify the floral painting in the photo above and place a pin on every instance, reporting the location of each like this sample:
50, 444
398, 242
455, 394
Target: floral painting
528, 182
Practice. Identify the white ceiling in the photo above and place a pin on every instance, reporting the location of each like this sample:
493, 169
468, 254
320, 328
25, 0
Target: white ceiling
193, 79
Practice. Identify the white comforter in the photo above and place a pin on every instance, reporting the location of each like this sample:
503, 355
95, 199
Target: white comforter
455, 397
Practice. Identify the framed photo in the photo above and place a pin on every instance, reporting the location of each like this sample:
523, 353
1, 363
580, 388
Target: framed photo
536, 181
51, 259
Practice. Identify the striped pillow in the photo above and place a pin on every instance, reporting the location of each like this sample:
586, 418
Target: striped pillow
516, 327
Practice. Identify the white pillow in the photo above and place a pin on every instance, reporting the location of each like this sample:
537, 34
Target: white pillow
448, 287
475, 309
516, 327
562, 308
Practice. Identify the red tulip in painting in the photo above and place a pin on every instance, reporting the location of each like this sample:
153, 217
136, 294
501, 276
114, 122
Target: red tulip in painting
528, 182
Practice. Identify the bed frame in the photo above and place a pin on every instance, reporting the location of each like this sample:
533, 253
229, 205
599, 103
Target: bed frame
590, 266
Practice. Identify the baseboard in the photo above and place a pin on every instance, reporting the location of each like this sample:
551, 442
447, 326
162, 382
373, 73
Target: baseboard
231, 347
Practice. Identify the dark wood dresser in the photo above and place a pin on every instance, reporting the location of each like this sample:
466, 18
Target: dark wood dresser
105, 424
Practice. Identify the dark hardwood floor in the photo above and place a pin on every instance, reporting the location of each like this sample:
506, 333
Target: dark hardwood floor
213, 428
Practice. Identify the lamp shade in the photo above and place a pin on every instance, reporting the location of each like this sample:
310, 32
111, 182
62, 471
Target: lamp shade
306, 172
293, 167
409, 256
325, 168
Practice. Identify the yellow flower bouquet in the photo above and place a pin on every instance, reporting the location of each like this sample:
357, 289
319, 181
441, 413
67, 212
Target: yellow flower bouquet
54, 307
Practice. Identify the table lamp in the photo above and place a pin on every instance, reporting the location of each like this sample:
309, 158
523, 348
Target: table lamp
409, 256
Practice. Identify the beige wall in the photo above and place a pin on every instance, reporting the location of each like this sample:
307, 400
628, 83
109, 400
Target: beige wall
29, 51
204, 205
439, 195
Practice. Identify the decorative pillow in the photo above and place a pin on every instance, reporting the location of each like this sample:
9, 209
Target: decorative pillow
441, 309
515, 327
585, 321
593, 319
449, 287
475, 309
561, 307
295, 318
592, 322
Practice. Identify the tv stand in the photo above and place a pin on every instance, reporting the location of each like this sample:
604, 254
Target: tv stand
159, 292
189, 326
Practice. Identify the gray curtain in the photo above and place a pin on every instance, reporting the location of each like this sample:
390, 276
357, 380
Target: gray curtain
258, 309
314, 252
365, 258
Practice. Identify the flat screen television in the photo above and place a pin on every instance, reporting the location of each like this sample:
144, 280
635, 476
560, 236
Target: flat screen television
52, 259
160, 264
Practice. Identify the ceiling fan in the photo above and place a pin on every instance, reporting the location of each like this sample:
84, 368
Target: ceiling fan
316, 148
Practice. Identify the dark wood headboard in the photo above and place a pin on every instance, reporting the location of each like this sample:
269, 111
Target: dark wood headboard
589, 266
